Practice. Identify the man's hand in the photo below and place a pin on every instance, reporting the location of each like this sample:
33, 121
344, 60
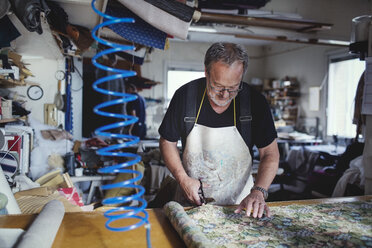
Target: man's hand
190, 187
254, 203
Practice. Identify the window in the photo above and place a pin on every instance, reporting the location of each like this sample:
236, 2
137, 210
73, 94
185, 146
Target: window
177, 78
344, 75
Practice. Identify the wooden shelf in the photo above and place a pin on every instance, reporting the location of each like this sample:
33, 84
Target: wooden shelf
290, 118
286, 97
11, 82
288, 24
8, 120
284, 101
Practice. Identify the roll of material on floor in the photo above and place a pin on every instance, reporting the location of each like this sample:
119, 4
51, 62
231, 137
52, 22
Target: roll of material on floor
43, 230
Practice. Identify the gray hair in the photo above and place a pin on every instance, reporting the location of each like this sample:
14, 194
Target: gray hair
227, 53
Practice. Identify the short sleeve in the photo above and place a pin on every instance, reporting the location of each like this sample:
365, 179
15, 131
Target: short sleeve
264, 131
171, 126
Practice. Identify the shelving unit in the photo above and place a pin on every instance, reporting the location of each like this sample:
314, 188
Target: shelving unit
13, 73
8, 120
11, 83
283, 99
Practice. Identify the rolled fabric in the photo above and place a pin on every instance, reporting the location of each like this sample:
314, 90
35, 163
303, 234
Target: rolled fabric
186, 227
140, 31
12, 205
43, 230
3, 200
175, 8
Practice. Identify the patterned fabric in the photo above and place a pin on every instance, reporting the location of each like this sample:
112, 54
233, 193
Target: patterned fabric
346, 224
140, 31
186, 227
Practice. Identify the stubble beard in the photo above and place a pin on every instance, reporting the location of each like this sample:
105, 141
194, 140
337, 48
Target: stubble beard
219, 103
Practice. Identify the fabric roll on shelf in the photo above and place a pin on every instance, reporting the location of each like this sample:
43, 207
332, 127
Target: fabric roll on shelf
158, 18
140, 31
177, 9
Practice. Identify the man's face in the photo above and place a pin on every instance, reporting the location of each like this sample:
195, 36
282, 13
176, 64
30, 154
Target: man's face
223, 82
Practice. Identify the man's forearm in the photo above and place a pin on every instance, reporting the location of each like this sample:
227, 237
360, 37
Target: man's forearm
269, 161
266, 172
172, 159
255, 201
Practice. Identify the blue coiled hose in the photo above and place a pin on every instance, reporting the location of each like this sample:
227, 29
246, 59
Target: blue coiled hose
135, 212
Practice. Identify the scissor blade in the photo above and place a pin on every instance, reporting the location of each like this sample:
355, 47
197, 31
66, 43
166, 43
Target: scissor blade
208, 200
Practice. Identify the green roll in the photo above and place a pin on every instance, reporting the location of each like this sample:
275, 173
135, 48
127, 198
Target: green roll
3, 200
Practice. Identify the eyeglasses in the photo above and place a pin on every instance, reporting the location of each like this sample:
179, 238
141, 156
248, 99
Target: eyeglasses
220, 90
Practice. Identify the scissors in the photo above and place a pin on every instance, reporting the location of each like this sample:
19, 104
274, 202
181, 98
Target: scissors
203, 199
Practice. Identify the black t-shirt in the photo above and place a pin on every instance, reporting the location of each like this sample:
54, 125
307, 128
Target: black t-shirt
173, 126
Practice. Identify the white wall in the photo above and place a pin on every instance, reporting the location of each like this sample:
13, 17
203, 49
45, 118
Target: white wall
306, 63
309, 63
336, 12
44, 71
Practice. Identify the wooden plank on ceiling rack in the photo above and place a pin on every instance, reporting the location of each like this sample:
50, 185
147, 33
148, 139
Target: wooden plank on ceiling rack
80, 2
295, 25
313, 41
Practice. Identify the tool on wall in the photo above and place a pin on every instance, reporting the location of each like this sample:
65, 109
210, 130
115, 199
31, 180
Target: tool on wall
68, 79
58, 99
133, 212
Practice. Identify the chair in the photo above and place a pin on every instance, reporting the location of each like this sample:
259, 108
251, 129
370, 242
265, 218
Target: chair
298, 167
324, 179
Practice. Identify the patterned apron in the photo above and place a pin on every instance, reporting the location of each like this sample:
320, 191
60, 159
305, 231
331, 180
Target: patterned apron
221, 159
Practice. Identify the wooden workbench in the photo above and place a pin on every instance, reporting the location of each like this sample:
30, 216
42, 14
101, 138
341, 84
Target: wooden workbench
86, 229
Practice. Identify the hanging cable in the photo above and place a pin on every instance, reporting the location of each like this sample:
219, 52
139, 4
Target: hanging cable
132, 212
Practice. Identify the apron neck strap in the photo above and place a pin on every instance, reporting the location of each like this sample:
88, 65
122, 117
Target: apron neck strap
201, 104
234, 113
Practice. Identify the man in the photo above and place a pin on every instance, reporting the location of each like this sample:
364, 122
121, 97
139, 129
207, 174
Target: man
216, 155
136, 108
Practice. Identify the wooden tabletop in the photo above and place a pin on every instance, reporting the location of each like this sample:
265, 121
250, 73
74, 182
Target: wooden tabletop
87, 229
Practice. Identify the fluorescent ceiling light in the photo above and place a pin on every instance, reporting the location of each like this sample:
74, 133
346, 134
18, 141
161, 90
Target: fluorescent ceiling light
336, 42
202, 29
